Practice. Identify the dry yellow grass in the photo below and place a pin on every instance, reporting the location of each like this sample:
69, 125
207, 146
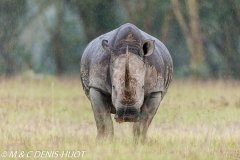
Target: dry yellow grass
196, 120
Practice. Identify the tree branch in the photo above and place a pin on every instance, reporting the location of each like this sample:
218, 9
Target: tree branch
166, 25
180, 19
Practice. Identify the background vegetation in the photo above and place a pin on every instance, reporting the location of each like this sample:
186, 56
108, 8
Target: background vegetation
49, 36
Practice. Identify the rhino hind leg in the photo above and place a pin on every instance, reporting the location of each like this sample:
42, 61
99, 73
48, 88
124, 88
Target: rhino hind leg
102, 114
148, 111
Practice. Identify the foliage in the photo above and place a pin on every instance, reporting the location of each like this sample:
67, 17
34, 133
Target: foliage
49, 37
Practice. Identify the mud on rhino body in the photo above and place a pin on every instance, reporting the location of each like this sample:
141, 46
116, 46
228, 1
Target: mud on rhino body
125, 72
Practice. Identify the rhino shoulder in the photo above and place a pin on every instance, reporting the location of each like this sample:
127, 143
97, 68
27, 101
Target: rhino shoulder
160, 63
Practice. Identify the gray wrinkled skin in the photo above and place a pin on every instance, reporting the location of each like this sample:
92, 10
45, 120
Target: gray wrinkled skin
130, 70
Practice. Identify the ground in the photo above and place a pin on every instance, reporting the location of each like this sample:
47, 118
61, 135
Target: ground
196, 120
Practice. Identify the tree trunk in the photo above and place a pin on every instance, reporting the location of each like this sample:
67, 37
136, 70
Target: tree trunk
57, 40
191, 34
192, 7
166, 25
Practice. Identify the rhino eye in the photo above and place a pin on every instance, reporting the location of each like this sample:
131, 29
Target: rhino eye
143, 87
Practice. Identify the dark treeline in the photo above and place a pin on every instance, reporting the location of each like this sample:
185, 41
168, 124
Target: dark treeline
49, 36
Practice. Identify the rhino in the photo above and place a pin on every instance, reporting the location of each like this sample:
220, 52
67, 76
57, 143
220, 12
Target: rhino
125, 72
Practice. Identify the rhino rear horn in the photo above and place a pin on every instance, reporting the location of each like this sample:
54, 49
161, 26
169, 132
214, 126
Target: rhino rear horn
148, 47
107, 47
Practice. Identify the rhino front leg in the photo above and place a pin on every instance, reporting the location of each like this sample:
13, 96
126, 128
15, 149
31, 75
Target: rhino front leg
102, 114
148, 111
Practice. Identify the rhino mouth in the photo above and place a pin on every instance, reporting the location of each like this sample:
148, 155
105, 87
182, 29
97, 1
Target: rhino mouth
127, 118
127, 114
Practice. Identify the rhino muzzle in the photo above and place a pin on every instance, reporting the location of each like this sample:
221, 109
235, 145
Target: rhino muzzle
127, 114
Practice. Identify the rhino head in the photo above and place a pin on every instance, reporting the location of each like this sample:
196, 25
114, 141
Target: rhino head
127, 71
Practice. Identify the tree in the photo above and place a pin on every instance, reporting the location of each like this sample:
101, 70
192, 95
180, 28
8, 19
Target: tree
146, 14
97, 17
11, 14
56, 38
220, 30
192, 33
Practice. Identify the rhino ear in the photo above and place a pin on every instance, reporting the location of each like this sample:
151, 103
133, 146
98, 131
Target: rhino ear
148, 47
107, 47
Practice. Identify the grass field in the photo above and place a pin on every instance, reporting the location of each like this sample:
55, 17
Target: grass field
196, 120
